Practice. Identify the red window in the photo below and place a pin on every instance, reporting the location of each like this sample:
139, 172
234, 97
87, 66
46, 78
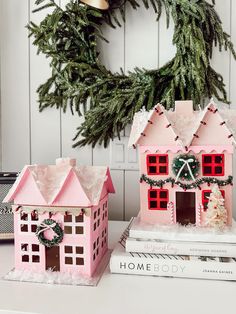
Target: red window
213, 165
158, 199
157, 164
205, 197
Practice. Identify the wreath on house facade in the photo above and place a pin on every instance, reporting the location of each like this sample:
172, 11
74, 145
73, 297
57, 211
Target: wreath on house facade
69, 38
185, 167
49, 224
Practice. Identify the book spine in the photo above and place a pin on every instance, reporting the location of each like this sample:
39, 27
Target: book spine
172, 268
180, 248
200, 237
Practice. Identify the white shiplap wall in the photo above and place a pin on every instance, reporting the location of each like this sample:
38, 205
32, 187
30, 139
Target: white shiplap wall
28, 136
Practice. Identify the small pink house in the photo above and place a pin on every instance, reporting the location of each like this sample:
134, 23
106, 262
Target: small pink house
61, 217
183, 154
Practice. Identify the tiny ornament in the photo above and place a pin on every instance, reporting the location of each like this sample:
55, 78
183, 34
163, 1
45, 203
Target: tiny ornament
216, 215
49, 224
186, 167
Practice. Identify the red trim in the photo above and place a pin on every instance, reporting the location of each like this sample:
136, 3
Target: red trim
210, 167
158, 199
155, 165
205, 200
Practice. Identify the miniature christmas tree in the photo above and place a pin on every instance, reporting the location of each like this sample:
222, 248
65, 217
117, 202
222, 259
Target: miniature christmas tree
216, 216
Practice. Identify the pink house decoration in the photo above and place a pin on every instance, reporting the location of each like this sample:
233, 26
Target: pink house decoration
183, 155
61, 217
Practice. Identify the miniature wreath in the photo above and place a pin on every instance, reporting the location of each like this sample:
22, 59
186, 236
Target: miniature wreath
185, 167
69, 38
48, 224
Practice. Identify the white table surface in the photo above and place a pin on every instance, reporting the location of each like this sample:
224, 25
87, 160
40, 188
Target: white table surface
115, 294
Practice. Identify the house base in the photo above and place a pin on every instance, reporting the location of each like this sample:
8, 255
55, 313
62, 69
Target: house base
178, 232
58, 278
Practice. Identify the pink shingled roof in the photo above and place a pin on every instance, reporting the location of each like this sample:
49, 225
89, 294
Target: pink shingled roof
60, 185
183, 127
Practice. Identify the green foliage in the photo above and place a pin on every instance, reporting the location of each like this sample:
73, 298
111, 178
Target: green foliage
186, 186
68, 37
180, 168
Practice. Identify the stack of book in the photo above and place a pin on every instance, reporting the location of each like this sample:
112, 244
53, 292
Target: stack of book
175, 251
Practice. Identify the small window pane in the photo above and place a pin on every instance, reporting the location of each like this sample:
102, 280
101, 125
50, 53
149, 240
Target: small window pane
79, 250
79, 218
94, 245
25, 258
24, 247
94, 215
218, 170
68, 249
98, 211
152, 159
163, 159
68, 218
163, 194
79, 230
163, 204
79, 261
33, 228
162, 169
35, 259
24, 228
153, 204
68, 230
23, 216
153, 194
207, 170
68, 260
206, 195
152, 169
35, 247
218, 159
207, 159
34, 216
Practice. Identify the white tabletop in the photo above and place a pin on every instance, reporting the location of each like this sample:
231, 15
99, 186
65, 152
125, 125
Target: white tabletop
115, 294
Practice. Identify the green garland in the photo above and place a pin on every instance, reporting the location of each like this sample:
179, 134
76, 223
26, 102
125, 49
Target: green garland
69, 38
185, 174
193, 185
57, 229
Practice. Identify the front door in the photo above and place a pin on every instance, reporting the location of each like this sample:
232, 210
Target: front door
52, 258
185, 208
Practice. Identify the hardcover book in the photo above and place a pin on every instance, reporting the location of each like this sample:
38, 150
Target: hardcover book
186, 266
181, 247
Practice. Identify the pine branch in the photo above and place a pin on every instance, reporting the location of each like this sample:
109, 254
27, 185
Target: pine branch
78, 81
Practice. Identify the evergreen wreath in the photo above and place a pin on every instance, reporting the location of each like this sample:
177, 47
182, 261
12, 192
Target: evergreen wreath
69, 38
47, 224
185, 170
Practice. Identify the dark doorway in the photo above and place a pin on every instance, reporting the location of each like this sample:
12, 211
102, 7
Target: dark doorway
185, 208
52, 258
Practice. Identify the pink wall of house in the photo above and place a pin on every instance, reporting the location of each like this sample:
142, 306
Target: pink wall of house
169, 216
95, 230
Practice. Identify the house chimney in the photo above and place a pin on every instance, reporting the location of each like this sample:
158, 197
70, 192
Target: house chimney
66, 162
184, 107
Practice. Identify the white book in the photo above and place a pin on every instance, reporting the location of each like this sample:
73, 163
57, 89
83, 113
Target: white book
123, 262
180, 247
142, 230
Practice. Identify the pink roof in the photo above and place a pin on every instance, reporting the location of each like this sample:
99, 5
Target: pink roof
183, 126
62, 184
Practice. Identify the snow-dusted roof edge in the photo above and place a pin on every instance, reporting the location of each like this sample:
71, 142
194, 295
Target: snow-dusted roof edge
134, 140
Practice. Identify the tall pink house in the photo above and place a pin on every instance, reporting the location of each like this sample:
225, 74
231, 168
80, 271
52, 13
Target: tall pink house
183, 154
61, 217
